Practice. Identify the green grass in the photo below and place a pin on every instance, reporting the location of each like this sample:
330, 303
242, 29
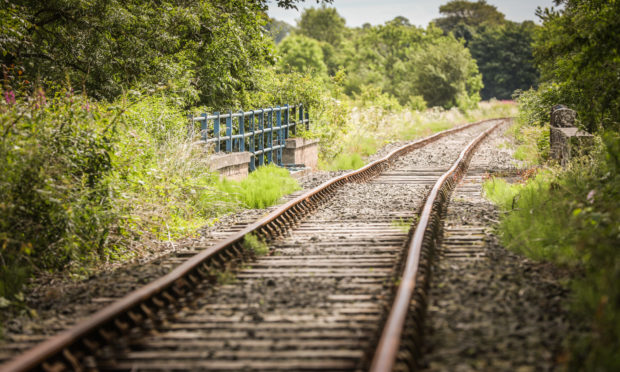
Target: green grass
262, 188
532, 142
403, 224
253, 244
535, 220
346, 161
373, 127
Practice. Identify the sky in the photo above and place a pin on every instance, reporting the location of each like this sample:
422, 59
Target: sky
419, 12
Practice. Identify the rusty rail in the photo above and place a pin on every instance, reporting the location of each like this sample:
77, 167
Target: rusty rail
70, 349
424, 236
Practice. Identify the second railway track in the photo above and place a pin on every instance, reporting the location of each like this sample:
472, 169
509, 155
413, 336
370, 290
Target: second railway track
317, 301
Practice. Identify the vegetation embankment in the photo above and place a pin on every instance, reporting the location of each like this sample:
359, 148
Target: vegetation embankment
570, 215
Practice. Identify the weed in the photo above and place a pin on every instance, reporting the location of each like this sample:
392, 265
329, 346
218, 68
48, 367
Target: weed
253, 244
226, 277
346, 162
403, 224
374, 126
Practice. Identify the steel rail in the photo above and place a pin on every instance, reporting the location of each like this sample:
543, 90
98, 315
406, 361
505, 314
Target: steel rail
389, 344
130, 311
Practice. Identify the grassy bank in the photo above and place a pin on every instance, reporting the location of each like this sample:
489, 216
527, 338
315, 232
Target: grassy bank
371, 127
570, 217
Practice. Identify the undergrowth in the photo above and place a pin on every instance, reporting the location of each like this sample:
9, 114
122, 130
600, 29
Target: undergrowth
570, 217
532, 142
84, 183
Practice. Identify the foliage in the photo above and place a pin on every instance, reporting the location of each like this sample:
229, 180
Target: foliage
86, 182
371, 95
504, 57
577, 53
502, 49
328, 116
532, 142
346, 161
571, 217
372, 127
262, 188
395, 57
322, 24
206, 50
55, 163
462, 18
301, 54
445, 75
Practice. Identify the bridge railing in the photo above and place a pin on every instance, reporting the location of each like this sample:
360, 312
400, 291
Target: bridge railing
261, 132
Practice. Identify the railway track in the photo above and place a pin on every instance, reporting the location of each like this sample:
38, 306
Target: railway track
321, 299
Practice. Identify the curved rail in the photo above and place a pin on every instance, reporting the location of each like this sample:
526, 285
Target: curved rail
388, 348
131, 311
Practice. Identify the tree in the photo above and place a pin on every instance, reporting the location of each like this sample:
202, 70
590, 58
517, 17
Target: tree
444, 74
462, 18
504, 57
301, 54
406, 61
207, 50
577, 53
380, 54
323, 24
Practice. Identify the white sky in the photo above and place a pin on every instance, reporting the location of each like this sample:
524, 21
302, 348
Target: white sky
419, 12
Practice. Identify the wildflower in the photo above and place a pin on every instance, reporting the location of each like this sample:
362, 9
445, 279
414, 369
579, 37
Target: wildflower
9, 97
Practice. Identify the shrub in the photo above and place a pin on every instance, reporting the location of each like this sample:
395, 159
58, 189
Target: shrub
55, 166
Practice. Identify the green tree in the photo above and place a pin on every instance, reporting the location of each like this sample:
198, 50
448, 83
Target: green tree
301, 54
504, 57
406, 61
323, 24
444, 73
380, 55
578, 56
462, 18
206, 50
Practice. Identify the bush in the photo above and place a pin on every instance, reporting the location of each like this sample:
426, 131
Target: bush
55, 166
532, 141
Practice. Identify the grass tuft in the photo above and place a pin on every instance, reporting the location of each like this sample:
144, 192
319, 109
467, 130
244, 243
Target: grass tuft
256, 246
262, 188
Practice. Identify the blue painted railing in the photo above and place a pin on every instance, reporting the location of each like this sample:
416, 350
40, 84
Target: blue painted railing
262, 132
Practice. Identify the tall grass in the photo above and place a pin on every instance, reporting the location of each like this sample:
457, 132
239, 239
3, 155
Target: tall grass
262, 188
371, 127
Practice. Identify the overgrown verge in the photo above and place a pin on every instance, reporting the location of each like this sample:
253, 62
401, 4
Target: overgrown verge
86, 182
570, 217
